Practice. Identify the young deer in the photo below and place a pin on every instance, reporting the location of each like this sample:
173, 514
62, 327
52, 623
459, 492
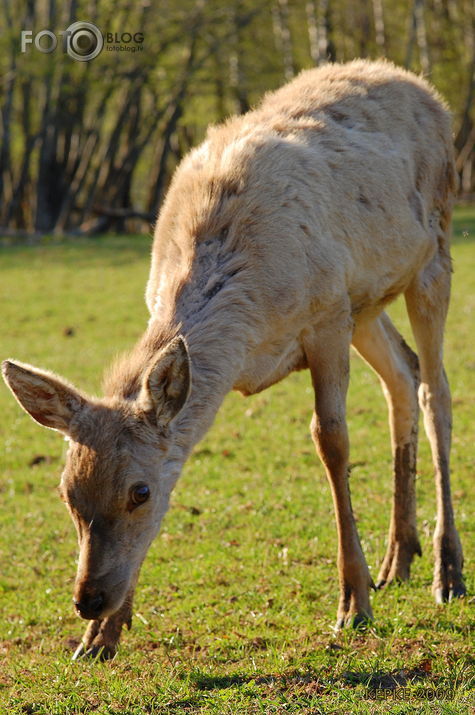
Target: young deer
282, 239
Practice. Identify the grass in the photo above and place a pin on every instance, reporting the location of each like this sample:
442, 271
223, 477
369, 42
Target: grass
238, 594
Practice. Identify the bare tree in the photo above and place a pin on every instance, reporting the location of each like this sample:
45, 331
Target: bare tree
379, 32
283, 38
326, 47
421, 35
237, 79
418, 34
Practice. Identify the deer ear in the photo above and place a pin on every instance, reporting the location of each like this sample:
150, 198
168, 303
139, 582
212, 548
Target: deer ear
166, 384
50, 401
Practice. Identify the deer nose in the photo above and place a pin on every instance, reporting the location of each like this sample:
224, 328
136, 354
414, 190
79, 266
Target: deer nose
90, 606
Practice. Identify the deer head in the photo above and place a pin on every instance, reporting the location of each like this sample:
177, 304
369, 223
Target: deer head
117, 478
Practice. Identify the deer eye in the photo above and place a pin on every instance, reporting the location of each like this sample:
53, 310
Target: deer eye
139, 494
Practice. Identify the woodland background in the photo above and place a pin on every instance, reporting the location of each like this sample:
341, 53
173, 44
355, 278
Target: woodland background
87, 147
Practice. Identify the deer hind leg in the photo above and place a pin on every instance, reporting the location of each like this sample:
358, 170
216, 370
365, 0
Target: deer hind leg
384, 349
328, 358
427, 302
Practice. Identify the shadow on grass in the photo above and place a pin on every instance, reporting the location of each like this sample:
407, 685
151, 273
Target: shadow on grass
317, 681
387, 681
205, 681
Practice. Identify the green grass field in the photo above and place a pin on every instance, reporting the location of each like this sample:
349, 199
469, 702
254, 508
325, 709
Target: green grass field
238, 595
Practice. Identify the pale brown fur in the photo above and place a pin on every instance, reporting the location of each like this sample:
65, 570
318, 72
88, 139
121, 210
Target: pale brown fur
281, 239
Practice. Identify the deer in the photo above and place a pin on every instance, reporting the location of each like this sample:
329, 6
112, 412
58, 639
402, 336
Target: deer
279, 244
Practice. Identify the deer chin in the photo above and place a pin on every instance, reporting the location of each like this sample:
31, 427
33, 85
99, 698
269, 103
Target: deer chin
115, 598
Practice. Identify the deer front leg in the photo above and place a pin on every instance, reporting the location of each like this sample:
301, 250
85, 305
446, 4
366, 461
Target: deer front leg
328, 358
101, 637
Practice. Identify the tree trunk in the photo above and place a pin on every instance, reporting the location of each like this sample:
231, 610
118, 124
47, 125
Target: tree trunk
421, 35
6, 116
48, 199
157, 185
326, 47
312, 29
379, 33
283, 39
417, 33
236, 61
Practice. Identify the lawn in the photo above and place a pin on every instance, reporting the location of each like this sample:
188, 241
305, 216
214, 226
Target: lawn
238, 595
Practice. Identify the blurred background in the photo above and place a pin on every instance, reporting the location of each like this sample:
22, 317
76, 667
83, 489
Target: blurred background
90, 146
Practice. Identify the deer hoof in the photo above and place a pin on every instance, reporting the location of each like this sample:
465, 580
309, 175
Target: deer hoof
445, 594
358, 621
94, 652
396, 565
79, 652
100, 652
